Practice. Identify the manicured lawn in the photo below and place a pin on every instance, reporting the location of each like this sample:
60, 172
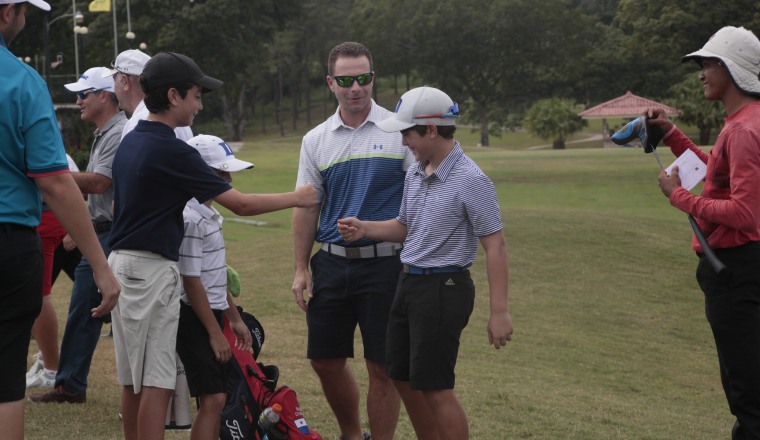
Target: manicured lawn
610, 339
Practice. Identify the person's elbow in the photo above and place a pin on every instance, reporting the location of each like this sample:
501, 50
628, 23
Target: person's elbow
238, 206
236, 202
101, 185
746, 221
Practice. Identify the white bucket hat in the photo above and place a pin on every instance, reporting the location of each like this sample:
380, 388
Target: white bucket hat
739, 50
217, 154
92, 79
129, 62
39, 3
421, 106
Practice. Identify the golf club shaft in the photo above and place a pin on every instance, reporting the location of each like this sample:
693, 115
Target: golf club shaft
716, 264
657, 156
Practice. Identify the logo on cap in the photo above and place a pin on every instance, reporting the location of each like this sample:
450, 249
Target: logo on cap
398, 105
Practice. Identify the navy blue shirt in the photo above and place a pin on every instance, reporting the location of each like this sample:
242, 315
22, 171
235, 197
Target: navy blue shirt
154, 176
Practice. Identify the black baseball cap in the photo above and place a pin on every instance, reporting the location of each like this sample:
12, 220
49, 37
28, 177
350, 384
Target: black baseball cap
169, 68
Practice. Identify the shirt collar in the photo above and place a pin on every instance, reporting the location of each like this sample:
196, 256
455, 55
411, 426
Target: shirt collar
444, 169
111, 122
154, 127
336, 121
207, 212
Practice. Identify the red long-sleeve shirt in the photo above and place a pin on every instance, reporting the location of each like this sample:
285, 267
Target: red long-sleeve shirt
728, 210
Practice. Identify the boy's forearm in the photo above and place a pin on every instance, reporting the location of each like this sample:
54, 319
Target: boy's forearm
387, 230
497, 270
232, 312
255, 204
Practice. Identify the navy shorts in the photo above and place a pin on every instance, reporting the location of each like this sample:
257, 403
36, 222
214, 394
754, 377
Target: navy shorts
346, 293
426, 322
21, 272
205, 375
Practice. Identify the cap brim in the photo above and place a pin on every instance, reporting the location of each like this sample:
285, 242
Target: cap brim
698, 55
40, 4
392, 124
233, 165
77, 87
209, 84
111, 72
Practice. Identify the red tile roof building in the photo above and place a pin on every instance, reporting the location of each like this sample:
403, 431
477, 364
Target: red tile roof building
628, 106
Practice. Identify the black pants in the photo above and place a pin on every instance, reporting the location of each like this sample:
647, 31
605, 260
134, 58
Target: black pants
732, 307
20, 303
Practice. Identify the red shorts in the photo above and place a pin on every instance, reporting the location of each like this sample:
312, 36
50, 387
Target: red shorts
51, 234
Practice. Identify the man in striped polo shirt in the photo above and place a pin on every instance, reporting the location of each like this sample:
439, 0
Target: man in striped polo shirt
448, 206
358, 170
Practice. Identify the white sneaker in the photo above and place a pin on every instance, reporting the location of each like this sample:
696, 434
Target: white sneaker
36, 367
41, 379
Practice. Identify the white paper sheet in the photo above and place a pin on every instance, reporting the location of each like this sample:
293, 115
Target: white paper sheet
691, 169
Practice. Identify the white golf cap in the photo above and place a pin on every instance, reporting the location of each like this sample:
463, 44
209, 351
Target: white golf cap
92, 79
39, 3
217, 154
739, 50
421, 106
129, 62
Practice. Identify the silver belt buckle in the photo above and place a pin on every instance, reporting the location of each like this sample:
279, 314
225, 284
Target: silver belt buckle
353, 253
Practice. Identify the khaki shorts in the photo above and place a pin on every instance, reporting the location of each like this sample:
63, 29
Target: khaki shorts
145, 319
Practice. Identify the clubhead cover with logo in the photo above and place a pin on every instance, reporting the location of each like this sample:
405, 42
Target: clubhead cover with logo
636, 129
639, 128
654, 136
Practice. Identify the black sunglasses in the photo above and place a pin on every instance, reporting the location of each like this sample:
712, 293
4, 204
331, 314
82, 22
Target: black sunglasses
348, 80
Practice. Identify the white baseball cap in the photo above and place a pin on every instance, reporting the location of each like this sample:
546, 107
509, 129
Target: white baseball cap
92, 79
421, 106
39, 3
217, 154
739, 50
129, 62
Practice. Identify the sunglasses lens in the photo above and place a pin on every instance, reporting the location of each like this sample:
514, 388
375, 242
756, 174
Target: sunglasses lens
364, 79
81, 95
344, 81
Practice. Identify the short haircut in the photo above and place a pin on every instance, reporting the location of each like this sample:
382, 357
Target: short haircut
444, 131
349, 49
114, 100
157, 99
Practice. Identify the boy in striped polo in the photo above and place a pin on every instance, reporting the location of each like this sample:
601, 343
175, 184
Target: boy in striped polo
447, 207
202, 347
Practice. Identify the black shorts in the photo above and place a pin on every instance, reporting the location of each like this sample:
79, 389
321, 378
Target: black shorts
205, 375
426, 322
21, 272
347, 293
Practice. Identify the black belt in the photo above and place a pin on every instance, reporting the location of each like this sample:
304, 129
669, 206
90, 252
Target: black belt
15, 227
102, 226
414, 270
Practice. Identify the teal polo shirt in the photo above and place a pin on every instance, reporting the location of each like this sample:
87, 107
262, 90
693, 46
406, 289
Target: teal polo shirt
30, 140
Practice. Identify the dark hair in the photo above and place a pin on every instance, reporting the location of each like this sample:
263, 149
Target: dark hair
15, 6
348, 49
157, 99
444, 131
114, 100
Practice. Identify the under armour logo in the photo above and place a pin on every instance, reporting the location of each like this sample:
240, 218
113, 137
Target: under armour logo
377, 147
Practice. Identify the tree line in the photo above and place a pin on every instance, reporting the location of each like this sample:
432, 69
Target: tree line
497, 58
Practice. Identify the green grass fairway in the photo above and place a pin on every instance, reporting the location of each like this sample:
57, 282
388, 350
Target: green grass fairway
610, 337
